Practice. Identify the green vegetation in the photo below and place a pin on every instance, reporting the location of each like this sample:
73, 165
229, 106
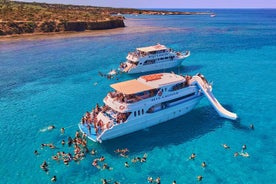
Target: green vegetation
22, 17
22, 11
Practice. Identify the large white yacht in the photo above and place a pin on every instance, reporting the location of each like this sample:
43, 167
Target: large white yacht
149, 100
152, 58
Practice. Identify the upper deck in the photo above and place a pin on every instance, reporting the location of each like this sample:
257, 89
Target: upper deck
153, 48
147, 82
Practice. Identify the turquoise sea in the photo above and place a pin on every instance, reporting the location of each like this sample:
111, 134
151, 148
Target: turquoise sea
55, 81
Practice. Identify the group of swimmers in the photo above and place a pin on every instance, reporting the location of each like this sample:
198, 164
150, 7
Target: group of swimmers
157, 180
203, 165
242, 153
122, 152
79, 143
96, 161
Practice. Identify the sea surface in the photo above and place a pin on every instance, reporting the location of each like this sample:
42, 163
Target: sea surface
47, 82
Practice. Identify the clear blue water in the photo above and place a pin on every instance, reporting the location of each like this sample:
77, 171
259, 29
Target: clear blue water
45, 82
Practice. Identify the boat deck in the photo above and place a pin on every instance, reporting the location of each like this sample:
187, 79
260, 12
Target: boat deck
91, 135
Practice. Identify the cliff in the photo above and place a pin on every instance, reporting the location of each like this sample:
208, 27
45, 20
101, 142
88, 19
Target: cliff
8, 28
21, 18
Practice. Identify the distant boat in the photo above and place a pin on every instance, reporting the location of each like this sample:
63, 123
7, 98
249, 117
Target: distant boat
212, 15
149, 100
152, 58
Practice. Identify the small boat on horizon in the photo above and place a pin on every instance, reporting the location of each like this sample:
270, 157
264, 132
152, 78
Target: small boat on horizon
152, 58
213, 15
147, 101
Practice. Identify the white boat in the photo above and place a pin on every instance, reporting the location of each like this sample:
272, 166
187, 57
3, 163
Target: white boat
149, 100
152, 58
212, 15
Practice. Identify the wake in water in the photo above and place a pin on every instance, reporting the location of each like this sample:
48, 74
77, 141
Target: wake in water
49, 128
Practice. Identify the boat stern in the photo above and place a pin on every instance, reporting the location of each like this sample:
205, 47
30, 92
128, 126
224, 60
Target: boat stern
90, 132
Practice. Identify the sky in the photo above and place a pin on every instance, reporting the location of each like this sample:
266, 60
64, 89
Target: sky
168, 3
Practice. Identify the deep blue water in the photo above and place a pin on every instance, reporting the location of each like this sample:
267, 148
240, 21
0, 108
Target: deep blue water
53, 82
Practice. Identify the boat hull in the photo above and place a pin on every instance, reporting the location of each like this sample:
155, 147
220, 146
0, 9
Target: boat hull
150, 119
155, 67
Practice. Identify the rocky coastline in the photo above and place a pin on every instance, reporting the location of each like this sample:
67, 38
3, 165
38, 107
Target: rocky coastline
19, 18
20, 27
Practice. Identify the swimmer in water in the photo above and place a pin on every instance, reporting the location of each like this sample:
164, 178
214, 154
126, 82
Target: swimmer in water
62, 130
226, 146
44, 166
63, 142
158, 180
102, 158
55, 157
51, 127
105, 166
199, 178
93, 152
52, 146
174, 182
192, 157
104, 181
150, 179
144, 158
244, 154
126, 164
203, 164
54, 179
36, 152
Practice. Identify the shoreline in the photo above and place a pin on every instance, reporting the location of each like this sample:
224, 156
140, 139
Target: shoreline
130, 28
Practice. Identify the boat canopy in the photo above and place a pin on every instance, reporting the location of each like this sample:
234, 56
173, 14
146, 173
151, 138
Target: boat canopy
157, 47
131, 87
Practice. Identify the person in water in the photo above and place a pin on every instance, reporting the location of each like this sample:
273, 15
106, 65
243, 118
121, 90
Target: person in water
226, 146
51, 127
192, 157
150, 179
126, 164
203, 164
199, 178
54, 179
62, 130
158, 180
244, 147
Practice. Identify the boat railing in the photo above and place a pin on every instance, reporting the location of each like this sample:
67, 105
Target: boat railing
121, 99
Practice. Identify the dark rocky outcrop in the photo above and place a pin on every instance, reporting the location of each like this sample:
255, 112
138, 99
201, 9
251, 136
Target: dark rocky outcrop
8, 28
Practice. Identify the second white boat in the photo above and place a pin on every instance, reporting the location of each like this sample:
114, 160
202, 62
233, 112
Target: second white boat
152, 58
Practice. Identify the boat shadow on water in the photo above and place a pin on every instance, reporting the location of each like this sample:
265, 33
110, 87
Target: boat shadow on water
182, 129
177, 70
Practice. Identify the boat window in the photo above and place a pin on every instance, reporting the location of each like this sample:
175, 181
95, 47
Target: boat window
142, 111
138, 112
134, 113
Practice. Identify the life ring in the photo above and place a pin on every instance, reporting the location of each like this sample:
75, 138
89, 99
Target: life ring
121, 107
